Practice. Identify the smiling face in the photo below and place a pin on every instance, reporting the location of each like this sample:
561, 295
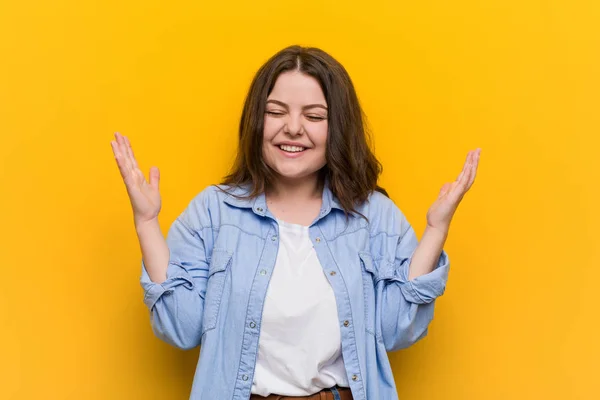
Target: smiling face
332, 139
295, 127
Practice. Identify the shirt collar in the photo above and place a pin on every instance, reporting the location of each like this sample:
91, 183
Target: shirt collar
259, 203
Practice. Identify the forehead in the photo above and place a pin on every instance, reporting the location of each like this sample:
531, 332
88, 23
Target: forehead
294, 87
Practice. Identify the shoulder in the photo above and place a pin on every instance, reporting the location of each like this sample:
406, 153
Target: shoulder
214, 195
384, 215
206, 206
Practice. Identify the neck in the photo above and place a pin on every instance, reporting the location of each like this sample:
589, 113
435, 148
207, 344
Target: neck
296, 190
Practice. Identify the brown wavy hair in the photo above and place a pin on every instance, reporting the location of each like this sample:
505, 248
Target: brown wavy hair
351, 167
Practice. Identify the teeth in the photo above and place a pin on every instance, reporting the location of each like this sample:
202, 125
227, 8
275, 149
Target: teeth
293, 149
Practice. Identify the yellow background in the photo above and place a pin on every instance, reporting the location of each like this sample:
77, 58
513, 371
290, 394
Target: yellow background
520, 79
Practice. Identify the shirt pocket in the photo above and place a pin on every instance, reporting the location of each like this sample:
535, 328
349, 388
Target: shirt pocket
218, 271
368, 278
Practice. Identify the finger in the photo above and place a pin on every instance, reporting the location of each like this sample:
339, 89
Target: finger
140, 178
444, 189
115, 147
474, 167
469, 170
121, 162
116, 152
128, 173
130, 153
154, 177
461, 178
468, 174
123, 150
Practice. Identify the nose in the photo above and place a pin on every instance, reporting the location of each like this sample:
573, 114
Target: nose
293, 125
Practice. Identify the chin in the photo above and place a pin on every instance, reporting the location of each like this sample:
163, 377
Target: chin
291, 175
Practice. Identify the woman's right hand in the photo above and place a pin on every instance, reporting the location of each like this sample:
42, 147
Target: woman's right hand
143, 195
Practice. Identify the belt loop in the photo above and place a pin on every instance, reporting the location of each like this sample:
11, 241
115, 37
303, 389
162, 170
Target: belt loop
336, 393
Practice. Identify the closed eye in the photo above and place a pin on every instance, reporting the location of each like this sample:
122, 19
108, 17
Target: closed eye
314, 118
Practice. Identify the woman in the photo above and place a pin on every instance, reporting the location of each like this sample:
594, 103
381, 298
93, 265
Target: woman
297, 274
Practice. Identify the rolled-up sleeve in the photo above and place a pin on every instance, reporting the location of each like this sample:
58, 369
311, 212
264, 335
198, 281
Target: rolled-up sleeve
406, 306
177, 304
422, 289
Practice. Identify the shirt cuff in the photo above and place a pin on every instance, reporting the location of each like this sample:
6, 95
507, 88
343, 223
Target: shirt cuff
425, 288
176, 276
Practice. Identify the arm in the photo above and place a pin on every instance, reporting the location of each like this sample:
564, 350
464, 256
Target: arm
427, 252
410, 284
407, 304
145, 200
155, 251
176, 303
174, 270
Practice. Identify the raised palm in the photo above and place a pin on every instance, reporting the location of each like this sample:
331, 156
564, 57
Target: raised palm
441, 212
144, 195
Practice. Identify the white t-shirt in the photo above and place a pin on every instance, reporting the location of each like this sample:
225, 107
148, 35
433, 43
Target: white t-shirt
299, 350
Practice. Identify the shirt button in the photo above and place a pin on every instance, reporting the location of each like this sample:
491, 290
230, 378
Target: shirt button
259, 209
245, 377
346, 323
252, 325
354, 377
318, 239
332, 273
263, 271
274, 237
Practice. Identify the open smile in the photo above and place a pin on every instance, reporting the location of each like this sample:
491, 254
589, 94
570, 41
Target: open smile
291, 151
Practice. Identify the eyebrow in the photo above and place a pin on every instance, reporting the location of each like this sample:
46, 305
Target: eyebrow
306, 107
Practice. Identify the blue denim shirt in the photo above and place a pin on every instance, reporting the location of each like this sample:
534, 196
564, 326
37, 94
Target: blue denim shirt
222, 255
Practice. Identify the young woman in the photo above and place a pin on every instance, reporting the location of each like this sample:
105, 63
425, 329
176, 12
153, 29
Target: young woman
297, 274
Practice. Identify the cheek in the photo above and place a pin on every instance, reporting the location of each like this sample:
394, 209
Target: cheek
320, 137
270, 128
269, 132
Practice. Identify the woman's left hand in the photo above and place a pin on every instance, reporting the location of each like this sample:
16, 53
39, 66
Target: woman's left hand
441, 212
